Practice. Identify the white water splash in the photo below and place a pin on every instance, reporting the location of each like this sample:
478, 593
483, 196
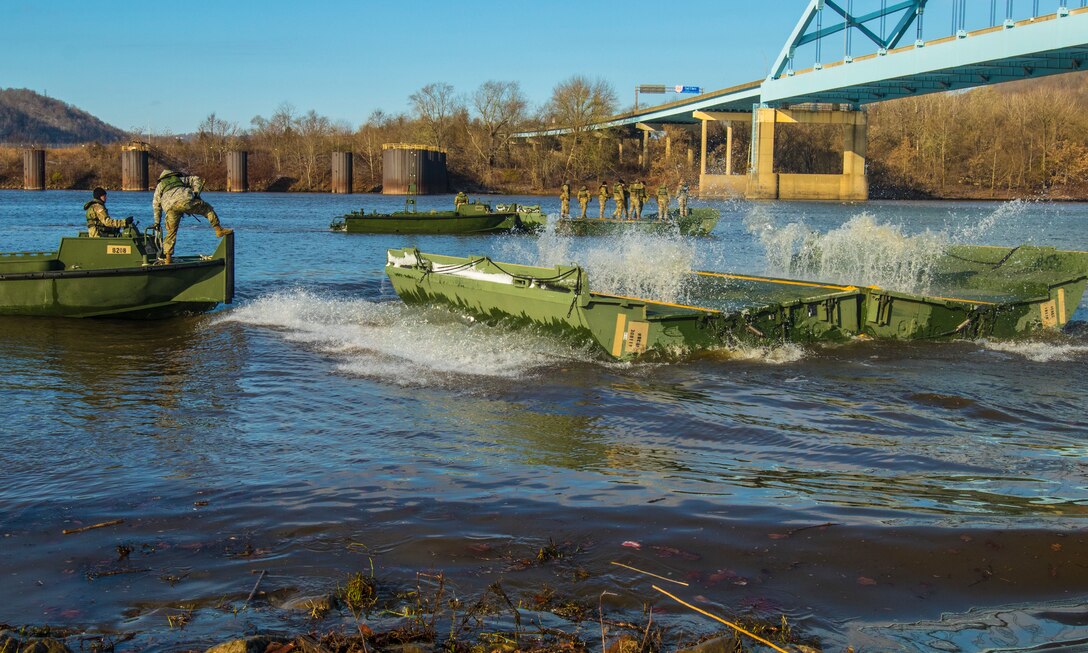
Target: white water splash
867, 251
976, 233
1038, 351
403, 345
863, 251
633, 264
780, 354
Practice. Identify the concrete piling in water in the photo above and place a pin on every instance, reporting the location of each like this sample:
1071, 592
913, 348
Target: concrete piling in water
237, 172
408, 166
134, 161
341, 172
33, 169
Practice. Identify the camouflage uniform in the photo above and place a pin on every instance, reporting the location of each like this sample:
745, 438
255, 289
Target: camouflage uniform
459, 200
619, 193
564, 201
99, 220
662, 202
638, 194
178, 195
602, 196
583, 200
682, 199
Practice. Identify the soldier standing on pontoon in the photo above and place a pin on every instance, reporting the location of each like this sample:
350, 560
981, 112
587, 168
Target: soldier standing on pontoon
583, 200
602, 196
619, 193
662, 202
564, 200
682, 198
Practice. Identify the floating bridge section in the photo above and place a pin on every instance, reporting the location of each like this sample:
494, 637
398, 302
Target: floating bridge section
845, 54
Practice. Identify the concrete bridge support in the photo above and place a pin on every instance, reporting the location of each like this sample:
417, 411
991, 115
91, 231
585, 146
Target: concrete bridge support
851, 185
762, 181
717, 184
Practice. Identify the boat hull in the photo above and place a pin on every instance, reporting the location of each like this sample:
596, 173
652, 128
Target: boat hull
82, 280
736, 310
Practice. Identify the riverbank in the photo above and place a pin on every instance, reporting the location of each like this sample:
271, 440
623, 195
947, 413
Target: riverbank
367, 615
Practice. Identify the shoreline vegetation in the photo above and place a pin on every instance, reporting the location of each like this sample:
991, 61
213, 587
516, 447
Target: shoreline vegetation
365, 614
1024, 139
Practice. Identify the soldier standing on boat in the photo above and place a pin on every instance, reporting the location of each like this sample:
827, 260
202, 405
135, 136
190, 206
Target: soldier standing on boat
459, 200
682, 198
177, 195
564, 200
602, 196
583, 199
638, 194
662, 202
619, 193
99, 222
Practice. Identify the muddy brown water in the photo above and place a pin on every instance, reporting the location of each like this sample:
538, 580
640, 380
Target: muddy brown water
920, 496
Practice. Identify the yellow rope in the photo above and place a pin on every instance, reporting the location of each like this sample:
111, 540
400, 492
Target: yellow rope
731, 625
648, 573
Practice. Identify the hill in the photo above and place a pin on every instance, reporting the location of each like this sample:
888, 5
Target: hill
28, 118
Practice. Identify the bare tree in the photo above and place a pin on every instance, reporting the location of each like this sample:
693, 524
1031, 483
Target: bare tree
214, 135
576, 104
500, 109
276, 132
436, 105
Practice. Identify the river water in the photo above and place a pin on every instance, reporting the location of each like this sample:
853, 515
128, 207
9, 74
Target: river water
889, 496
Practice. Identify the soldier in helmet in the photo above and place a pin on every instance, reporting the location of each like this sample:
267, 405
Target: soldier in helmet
583, 200
602, 196
662, 202
177, 195
638, 195
564, 200
682, 198
619, 193
459, 200
99, 222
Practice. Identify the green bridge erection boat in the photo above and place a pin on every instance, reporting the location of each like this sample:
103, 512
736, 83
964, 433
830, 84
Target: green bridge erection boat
471, 218
698, 222
114, 276
995, 292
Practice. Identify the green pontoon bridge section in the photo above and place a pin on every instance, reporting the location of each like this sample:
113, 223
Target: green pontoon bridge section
984, 291
698, 222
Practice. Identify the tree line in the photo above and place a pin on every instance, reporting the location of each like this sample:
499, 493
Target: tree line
1025, 138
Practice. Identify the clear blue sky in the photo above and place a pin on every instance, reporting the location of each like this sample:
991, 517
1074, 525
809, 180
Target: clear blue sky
170, 64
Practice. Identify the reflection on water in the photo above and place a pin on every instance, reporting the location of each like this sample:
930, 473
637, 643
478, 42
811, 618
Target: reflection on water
318, 425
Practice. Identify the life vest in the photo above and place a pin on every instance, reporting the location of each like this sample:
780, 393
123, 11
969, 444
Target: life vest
172, 181
92, 215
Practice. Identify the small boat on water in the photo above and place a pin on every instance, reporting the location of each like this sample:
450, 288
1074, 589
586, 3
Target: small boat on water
115, 276
981, 292
470, 218
698, 222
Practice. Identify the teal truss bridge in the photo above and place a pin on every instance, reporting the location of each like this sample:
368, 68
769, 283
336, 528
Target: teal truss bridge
845, 54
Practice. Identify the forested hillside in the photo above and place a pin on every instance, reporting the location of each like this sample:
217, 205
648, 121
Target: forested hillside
27, 118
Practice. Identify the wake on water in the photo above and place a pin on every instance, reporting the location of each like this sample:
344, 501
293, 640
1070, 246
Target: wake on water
400, 344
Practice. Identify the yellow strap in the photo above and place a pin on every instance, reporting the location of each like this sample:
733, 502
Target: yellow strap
716, 618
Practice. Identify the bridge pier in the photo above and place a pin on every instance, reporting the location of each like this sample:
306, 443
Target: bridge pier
716, 184
762, 181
